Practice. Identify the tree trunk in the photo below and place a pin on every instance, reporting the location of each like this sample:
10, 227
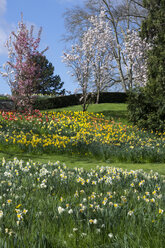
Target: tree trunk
98, 96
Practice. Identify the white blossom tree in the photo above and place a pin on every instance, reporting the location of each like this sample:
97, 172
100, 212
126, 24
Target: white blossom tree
120, 15
91, 60
98, 40
110, 57
78, 60
135, 53
99, 58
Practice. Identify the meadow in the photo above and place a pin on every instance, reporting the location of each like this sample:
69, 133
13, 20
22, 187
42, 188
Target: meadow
96, 196
49, 205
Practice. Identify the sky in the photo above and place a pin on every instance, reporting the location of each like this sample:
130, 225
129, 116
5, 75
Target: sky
47, 14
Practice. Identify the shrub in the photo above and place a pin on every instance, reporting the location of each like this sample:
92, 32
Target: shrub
145, 110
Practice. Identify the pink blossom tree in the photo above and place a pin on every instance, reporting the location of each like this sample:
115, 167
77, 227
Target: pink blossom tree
21, 71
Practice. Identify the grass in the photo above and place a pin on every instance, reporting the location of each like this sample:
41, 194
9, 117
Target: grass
3, 97
78, 161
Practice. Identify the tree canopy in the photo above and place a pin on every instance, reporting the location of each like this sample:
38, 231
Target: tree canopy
147, 108
48, 82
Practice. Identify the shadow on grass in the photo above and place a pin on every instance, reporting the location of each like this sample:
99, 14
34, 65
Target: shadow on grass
9, 152
120, 115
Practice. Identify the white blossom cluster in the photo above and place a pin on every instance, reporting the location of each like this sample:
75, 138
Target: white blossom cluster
101, 59
136, 54
99, 42
91, 61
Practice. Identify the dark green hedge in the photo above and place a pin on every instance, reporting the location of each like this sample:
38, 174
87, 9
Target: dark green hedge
6, 104
146, 111
70, 100
113, 97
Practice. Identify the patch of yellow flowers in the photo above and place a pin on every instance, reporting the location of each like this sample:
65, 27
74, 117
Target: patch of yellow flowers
67, 130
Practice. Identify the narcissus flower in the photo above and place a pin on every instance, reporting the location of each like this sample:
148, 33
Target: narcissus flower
161, 211
1, 213
61, 210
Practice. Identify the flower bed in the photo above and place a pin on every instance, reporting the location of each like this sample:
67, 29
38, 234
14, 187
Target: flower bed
80, 133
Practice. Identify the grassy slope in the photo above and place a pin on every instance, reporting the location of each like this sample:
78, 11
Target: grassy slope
116, 111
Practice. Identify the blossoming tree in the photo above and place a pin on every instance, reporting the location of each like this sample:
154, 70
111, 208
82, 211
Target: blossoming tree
98, 40
21, 71
121, 16
100, 56
135, 59
91, 59
78, 59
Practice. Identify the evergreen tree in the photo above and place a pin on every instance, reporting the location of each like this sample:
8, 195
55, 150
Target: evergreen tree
147, 108
153, 30
48, 83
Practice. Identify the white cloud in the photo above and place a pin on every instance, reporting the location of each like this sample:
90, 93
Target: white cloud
3, 38
5, 27
2, 7
3, 33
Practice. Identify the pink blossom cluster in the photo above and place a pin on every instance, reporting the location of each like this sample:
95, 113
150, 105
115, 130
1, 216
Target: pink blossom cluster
21, 70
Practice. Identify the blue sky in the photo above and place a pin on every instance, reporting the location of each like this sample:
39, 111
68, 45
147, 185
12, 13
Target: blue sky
46, 14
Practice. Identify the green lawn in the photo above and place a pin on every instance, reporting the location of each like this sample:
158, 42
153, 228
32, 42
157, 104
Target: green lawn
78, 161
